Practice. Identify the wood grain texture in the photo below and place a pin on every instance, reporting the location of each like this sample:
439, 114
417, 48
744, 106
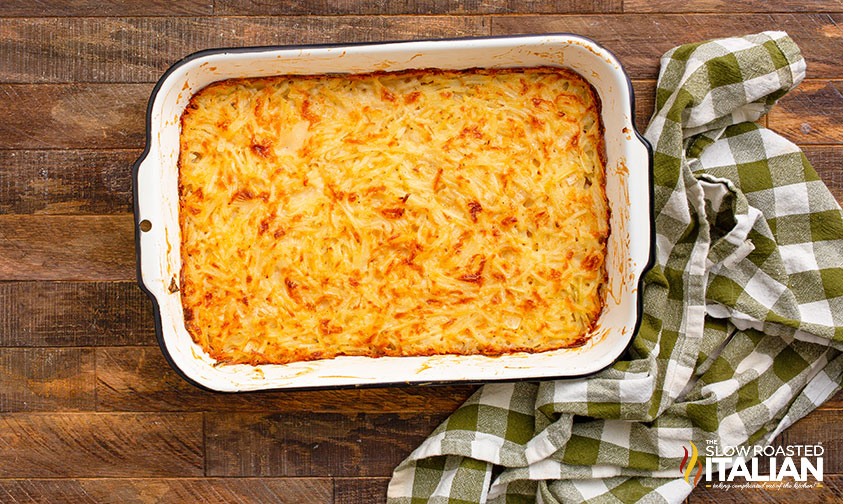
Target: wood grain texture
122, 126
378, 7
360, 490
820, 427
834, 403
663, 6
126, 50
645, 102
831, 492
51, 445
36, 314
812, 113
66, 182
30, 8
73, 116
67, 247
639, 40
139, 379
312, 444
828, 161
169, 491
47, 379
141, 49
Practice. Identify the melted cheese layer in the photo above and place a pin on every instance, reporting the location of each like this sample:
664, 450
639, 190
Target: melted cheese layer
411, 213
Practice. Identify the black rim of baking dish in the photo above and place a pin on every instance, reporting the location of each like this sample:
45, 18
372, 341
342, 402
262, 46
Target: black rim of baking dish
159, 333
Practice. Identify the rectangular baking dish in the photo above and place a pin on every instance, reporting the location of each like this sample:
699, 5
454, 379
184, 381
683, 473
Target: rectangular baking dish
628, 188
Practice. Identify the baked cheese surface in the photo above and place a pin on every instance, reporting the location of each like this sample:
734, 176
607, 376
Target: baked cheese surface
410, 213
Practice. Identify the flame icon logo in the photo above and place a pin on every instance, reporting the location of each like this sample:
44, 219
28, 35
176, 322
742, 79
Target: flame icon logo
690, 467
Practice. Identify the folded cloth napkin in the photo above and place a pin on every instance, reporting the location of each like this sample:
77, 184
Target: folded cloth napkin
743, 312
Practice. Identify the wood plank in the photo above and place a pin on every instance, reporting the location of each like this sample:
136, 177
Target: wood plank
826, 160
168, 490
140, 49
376, 7
645, 102
47, 379
360, 490
139, 379
639, 40
834, 403
67, 247
74, 314
664, 6
66, 181
830, 492
28, 8
812, 113
75, 115
819, 427
312, 444
100, 445
122, 127
815, 102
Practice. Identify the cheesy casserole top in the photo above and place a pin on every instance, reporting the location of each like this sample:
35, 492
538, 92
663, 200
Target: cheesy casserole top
411, 213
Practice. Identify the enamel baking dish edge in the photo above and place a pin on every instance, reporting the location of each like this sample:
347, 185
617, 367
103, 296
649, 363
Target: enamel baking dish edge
628, 188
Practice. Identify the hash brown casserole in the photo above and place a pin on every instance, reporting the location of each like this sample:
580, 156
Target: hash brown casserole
411, 213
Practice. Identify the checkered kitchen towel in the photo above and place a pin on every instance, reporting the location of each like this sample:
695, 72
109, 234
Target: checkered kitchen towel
743, 322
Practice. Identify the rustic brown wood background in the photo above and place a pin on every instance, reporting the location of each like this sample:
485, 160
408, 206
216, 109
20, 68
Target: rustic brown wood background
89, 410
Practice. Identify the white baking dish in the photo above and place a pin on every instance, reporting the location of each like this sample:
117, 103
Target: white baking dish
629, 187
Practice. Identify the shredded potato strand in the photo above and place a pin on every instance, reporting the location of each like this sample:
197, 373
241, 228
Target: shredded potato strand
411, 213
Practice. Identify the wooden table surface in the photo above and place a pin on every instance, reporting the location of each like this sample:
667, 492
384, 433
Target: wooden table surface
89, 410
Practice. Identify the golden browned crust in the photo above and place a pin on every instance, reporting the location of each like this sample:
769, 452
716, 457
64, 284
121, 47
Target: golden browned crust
412, 213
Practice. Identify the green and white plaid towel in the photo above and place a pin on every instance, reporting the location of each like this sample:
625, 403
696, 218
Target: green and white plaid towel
743, 322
